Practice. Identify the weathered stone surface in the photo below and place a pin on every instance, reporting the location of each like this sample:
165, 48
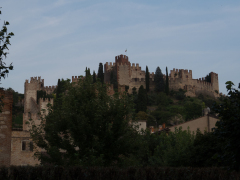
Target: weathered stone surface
6, 128
2, 122
2, 136
3, 127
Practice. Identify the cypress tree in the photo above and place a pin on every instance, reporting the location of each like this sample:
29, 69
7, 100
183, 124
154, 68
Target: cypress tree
100, 73
142, 99
147, 79
113, 80
89, 73
59, 87
167, 83
94, 77
86, 72
159, 81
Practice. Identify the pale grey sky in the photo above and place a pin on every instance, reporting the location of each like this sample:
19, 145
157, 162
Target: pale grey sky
59, 38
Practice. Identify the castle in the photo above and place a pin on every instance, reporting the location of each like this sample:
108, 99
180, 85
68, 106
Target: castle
16, 145
133, 76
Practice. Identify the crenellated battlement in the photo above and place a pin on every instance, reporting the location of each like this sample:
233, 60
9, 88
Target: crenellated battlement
121, 59
180, 73
109, 66
49, 88
138, 80
35, 80
41, 100
203, 82
75, 78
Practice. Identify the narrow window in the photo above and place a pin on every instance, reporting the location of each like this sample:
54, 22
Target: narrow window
23, 145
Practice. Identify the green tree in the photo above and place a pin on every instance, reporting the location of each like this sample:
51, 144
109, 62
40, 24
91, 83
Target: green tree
94, 77
159, 81
205, 149
228, 127
87, 72
100, 73
74, 134
173, 149
208, 78
147, 79
4, 43
167, 83
113, 80
142, 99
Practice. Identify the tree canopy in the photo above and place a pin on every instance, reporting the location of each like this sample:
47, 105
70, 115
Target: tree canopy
228, 127
88, 128
4, 43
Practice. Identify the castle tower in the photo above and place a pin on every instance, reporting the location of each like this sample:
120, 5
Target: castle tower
30, 99
123, 69
214, 81
30, 92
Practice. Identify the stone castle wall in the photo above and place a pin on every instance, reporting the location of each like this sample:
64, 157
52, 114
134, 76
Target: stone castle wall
22, 155
6, 128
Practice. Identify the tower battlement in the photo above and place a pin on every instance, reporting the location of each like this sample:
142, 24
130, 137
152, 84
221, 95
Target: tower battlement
75, 78
35, 80
121, 59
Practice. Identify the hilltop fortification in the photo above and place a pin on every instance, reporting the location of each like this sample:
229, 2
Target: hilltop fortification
132, 75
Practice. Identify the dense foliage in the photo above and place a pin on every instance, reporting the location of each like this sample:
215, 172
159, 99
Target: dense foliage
4, 43
17, 108
228, 127
87, 128
110, 173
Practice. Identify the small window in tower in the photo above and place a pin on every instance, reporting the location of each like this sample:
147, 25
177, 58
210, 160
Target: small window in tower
186, 76
27, 145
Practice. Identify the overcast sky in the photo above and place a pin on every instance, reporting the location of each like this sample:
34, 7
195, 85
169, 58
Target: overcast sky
59, 38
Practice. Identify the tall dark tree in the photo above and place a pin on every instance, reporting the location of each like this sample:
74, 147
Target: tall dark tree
60, 90
87, 72
94, 77
142, 99
4, 43
100, 73
113, 80
167, 82
208, 78
159, 81
147, 79
228, 127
